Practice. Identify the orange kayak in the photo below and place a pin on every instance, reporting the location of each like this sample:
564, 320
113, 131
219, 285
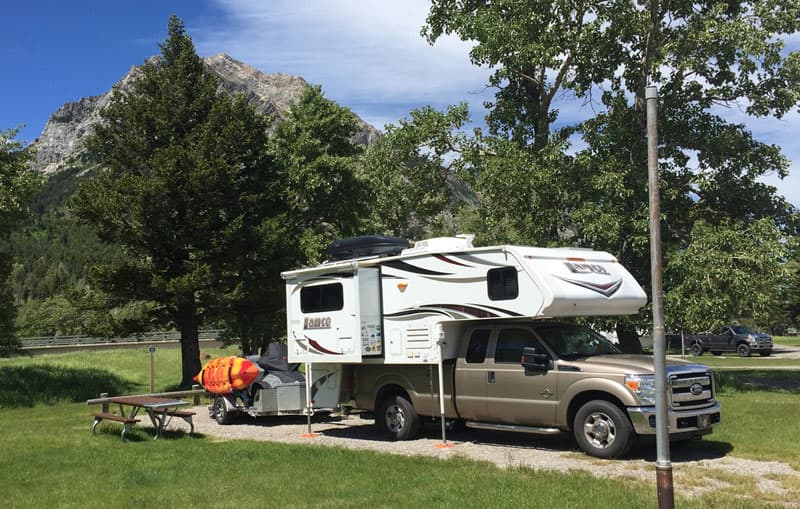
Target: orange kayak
224, 374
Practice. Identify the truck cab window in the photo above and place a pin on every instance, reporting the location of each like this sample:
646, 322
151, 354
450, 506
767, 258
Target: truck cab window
476, 349
510, 344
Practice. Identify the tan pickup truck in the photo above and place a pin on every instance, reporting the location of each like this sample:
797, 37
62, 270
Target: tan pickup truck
540, 377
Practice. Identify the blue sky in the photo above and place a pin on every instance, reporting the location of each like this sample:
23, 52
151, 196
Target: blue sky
366, 55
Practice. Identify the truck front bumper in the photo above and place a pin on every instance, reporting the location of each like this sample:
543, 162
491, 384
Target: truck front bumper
699, 420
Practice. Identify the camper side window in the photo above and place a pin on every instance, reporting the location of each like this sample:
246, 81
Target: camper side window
316, 299
502, 283
476, 349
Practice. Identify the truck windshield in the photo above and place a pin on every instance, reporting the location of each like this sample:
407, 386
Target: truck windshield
740, 329
573, 341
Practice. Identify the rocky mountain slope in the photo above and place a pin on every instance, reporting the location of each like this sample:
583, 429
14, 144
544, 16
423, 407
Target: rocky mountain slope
65, 132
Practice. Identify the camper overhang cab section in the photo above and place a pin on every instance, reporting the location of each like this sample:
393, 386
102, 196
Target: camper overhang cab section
393, 307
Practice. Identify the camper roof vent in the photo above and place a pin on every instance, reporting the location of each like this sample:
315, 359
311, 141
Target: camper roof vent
365, 246
457, 243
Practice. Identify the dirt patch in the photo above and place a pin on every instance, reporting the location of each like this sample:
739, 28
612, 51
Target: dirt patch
696, 470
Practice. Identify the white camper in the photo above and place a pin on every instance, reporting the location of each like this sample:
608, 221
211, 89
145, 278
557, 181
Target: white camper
386, 303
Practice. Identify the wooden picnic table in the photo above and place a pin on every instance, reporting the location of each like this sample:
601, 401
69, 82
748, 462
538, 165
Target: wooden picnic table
159, 409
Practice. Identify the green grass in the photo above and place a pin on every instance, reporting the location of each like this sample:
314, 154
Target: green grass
49, 456
786, 340
759, 416
731, 361
82, 375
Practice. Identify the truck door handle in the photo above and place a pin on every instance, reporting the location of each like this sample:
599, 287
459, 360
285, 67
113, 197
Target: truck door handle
490, 377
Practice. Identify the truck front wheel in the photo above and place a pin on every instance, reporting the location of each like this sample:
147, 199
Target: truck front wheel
397, 418
603, 430
743, 350
697, 349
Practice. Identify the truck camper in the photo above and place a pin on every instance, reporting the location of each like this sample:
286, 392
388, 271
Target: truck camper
471, 335
389, 308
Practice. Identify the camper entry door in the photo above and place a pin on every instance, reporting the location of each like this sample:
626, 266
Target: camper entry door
335, 318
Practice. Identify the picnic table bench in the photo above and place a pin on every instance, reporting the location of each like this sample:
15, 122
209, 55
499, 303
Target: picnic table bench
126, 421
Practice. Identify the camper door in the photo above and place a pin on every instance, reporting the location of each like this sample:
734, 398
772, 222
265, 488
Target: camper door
334, 318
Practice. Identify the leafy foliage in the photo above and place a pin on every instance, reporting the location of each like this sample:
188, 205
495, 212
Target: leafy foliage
533, 189
314, 147
728, 271
413, 183
17, 188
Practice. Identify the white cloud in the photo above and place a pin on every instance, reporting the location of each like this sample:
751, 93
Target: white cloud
360, 52
369, 56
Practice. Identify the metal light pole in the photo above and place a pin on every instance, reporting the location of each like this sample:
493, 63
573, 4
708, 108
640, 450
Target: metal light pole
666, 498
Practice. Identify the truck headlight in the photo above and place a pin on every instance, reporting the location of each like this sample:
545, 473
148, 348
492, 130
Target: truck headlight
643, 386
751, 339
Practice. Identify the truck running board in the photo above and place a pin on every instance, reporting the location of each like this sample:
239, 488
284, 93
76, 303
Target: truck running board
511, 427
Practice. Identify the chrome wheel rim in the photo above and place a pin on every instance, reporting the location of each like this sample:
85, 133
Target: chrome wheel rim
395, 418
600, 430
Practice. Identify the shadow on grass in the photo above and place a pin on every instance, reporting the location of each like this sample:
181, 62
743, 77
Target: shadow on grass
26, 386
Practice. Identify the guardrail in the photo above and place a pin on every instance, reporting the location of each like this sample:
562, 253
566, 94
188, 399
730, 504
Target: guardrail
39, 341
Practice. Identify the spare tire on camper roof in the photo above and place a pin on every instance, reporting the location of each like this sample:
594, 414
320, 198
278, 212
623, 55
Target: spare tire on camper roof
367, 245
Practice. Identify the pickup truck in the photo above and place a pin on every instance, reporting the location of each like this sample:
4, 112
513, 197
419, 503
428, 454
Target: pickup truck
731, 338
540, 377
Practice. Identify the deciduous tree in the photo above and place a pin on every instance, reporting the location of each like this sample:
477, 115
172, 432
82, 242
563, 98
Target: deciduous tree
703, 56
18, 187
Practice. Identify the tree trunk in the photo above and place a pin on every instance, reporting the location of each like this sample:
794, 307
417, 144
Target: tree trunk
186, 321
628, 338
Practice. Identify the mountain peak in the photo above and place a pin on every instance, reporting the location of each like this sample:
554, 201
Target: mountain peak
63, 137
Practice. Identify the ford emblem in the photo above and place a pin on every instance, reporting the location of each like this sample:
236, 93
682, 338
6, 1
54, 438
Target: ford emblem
696, 389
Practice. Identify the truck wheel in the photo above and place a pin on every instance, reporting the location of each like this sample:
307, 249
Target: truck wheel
397, 418
743, 350
697, 349
603, 430
220, 411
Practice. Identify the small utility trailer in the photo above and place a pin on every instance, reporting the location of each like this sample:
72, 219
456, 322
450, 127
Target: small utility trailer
280, 389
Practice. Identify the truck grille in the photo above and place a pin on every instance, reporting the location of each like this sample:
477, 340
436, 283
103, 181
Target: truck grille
691, 389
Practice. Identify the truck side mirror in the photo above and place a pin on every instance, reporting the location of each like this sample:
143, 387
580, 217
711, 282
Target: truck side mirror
532, 360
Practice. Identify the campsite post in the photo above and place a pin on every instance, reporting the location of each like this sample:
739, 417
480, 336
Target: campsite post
663, 465
443, 444
152, 350
309, 403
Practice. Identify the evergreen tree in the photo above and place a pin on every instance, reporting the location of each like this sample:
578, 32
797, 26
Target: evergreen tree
184, 180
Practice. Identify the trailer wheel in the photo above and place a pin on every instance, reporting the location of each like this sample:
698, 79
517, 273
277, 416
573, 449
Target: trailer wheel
603, 430
397, 418
697, 349
221, 413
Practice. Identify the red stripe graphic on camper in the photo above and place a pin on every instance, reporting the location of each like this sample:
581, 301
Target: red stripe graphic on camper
320, 349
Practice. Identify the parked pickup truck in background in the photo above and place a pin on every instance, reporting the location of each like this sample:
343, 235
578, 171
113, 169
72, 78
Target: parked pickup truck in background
539, 377
731, 338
